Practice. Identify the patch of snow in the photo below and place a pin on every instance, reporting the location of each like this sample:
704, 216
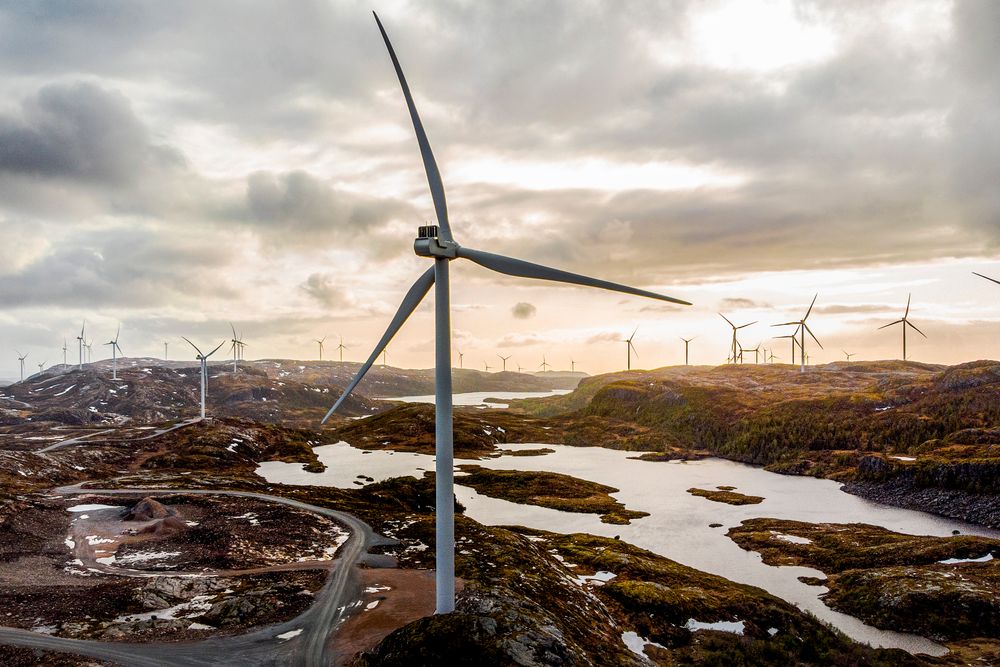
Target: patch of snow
637, 644
285, 636
793, 539
772, 631
955, 561
735, 627
249, 516
905, 458
94, 539
141, 556
106, 560
65, 390
70, 543
371, 605
600, 578
200, 626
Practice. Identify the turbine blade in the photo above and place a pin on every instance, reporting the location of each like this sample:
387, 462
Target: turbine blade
193, 345
634, 332
521, 268
634, 351
784, 324
907, 313
810, 307
889, 325
992, 280
743, 326
215, 350
406, 308
809, 331
727, 320
430, 166
914, 327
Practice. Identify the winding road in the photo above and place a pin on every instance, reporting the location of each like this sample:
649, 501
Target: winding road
338, 598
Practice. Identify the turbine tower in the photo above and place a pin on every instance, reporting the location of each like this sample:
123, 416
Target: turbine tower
79, 340
115, 348
436, 242
203, 359
629, 349
21, 358
803, 328
64, 351
319, 341
735, 345
461, 359
906, 323
687, 341
164, 350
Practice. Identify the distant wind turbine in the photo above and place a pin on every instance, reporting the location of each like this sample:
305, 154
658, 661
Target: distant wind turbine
79, 340
203, 359
487, 366
906, 323
795, 342
436, 242
504, 360
545, 365
41, 365
320, 342
164, 350
735, 344
461, 359
771, 357
115, 349
340, 348
687, 341
629, 349
803, 328
848, 354
519, 368
572, 365
64, 351
21, 358
236, 347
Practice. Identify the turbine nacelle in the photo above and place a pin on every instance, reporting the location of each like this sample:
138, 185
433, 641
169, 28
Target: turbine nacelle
429, 244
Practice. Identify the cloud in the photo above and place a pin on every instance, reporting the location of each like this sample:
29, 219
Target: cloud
323, 288
738, 303
523, 310
606, 337
521, 340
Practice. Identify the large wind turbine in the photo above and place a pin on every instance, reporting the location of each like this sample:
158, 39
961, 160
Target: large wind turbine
629, 349
735, 344
436, 242
115, 348
906, 323
687, 341
803, 328
79, 340
504, 360
21, 358
319, 341
203, 359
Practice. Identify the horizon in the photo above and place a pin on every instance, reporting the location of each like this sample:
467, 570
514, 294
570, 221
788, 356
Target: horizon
280, 189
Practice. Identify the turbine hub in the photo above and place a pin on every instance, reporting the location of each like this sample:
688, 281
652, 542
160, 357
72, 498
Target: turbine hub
428, 244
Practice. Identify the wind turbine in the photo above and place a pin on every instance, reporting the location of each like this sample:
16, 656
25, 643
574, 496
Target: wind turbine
164, 350
848, 354
436, 242
735, 329
461, 360
519, 368
504, 359
795, 341
545, 365
203, 359
906, 323
771, 357
79, 340
629, 349
687, 341
64, 351
320, 342
803, 328
992, 280
487, 366
115, 348
238, 345
41, 365
341, 348
384, 355
21, 358
572, 366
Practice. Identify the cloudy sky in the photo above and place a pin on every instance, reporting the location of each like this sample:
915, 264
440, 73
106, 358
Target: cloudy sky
176, 166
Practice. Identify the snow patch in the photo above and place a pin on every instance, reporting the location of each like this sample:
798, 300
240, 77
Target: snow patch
735, 627
954, 561
637, 644
285, 636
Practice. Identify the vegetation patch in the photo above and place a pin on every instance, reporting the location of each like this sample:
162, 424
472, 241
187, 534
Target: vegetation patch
724, 495
549, 489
